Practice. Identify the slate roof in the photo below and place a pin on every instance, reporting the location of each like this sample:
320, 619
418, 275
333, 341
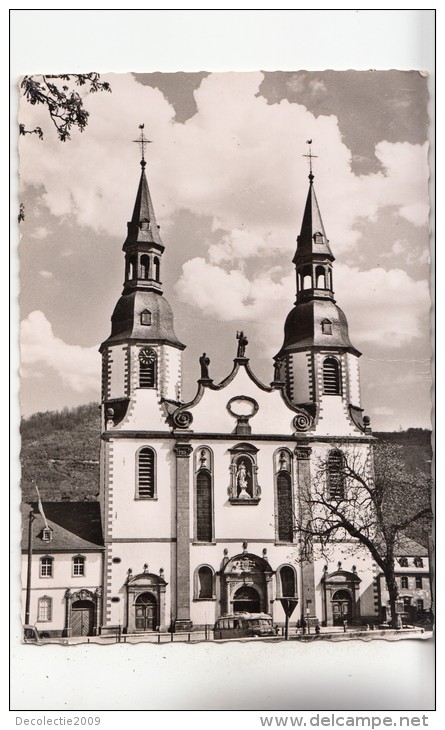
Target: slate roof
75, 526
408, 548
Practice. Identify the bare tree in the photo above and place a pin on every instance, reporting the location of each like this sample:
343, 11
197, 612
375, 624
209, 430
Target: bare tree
374, 501
64, 103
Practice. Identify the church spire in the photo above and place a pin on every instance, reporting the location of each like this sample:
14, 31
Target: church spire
313, 257
143, 246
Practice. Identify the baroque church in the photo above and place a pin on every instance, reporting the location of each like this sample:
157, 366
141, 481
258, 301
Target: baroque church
200, 501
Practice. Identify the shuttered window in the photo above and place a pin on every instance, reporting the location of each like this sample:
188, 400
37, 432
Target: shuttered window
331, 377
146, 474
284, 505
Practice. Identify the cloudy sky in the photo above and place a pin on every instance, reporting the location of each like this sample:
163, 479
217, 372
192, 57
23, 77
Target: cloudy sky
229, 181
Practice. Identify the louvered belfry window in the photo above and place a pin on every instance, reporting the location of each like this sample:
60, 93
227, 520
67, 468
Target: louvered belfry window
146, 474
331, 376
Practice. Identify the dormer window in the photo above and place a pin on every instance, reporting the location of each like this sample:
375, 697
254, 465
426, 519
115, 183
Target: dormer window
146, 317
403, 562
326, 327
318, 237
144, 224
47, 534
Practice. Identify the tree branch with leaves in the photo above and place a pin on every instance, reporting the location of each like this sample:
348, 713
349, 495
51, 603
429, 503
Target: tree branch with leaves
65, 105
373, 501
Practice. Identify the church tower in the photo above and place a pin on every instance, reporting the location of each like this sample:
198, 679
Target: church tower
141, 373
141, 359
317, 360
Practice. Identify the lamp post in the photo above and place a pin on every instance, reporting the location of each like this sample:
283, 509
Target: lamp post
31, 519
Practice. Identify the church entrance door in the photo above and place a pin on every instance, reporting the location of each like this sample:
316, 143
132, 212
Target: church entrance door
82, 618
145, 612
246, 599
341, 607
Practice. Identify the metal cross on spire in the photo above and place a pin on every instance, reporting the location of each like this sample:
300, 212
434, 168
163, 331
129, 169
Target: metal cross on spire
311, 157
142, 141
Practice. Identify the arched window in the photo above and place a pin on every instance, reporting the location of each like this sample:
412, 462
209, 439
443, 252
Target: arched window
205, 582
156, 266
46, 567
336, 476
331, 376
45, 609
287, 582
133, 266
78, 565
147, 368
145, 266
145, 480
285, 527
320, 277
404, 582
204, 506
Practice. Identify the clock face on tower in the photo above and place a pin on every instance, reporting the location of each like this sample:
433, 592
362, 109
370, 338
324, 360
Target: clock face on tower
147, 356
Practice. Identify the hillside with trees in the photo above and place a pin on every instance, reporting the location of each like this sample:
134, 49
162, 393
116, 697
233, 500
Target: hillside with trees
60, 453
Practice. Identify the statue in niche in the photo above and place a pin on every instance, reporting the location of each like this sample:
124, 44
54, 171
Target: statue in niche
242, 480
242, 343
204, 361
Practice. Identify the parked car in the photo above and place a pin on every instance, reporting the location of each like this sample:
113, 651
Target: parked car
241, 625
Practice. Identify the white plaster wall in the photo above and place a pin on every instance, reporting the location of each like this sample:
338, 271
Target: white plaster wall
56, 586
211, 414
170, 372
353, 369
300, 373
116, 369
141, 518
134, 555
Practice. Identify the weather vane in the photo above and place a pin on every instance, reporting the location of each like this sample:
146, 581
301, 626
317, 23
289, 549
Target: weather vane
311, 157
142, 141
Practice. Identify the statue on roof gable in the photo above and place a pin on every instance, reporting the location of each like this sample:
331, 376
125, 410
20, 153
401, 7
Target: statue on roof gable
242, 343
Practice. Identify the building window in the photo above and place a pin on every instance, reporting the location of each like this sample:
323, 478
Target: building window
287, 582
146, 317
205, 583
145, 479
285, 527
320, 277
336, 476
78, 565
47, 534
403, 562
318, 237
145, 266
46, 567
326, 327
45, 609
147, 368
418, 562
404, 582
419, 605
331, 376
418, 581
204, 506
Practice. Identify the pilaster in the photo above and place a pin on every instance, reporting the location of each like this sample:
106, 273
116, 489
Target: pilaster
182, 621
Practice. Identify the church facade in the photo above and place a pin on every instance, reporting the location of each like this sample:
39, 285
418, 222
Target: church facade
201, 500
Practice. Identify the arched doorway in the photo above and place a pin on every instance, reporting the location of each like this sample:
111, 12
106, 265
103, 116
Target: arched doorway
82, 618
146, 612
341, 607
247, 599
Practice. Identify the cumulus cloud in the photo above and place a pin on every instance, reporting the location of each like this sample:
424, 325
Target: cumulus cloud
238, 160
78, 367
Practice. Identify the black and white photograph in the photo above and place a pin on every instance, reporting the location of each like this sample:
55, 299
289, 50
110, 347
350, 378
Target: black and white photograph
225, 362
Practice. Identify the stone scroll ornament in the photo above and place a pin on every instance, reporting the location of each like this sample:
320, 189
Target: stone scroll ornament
182, 419
302, 421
